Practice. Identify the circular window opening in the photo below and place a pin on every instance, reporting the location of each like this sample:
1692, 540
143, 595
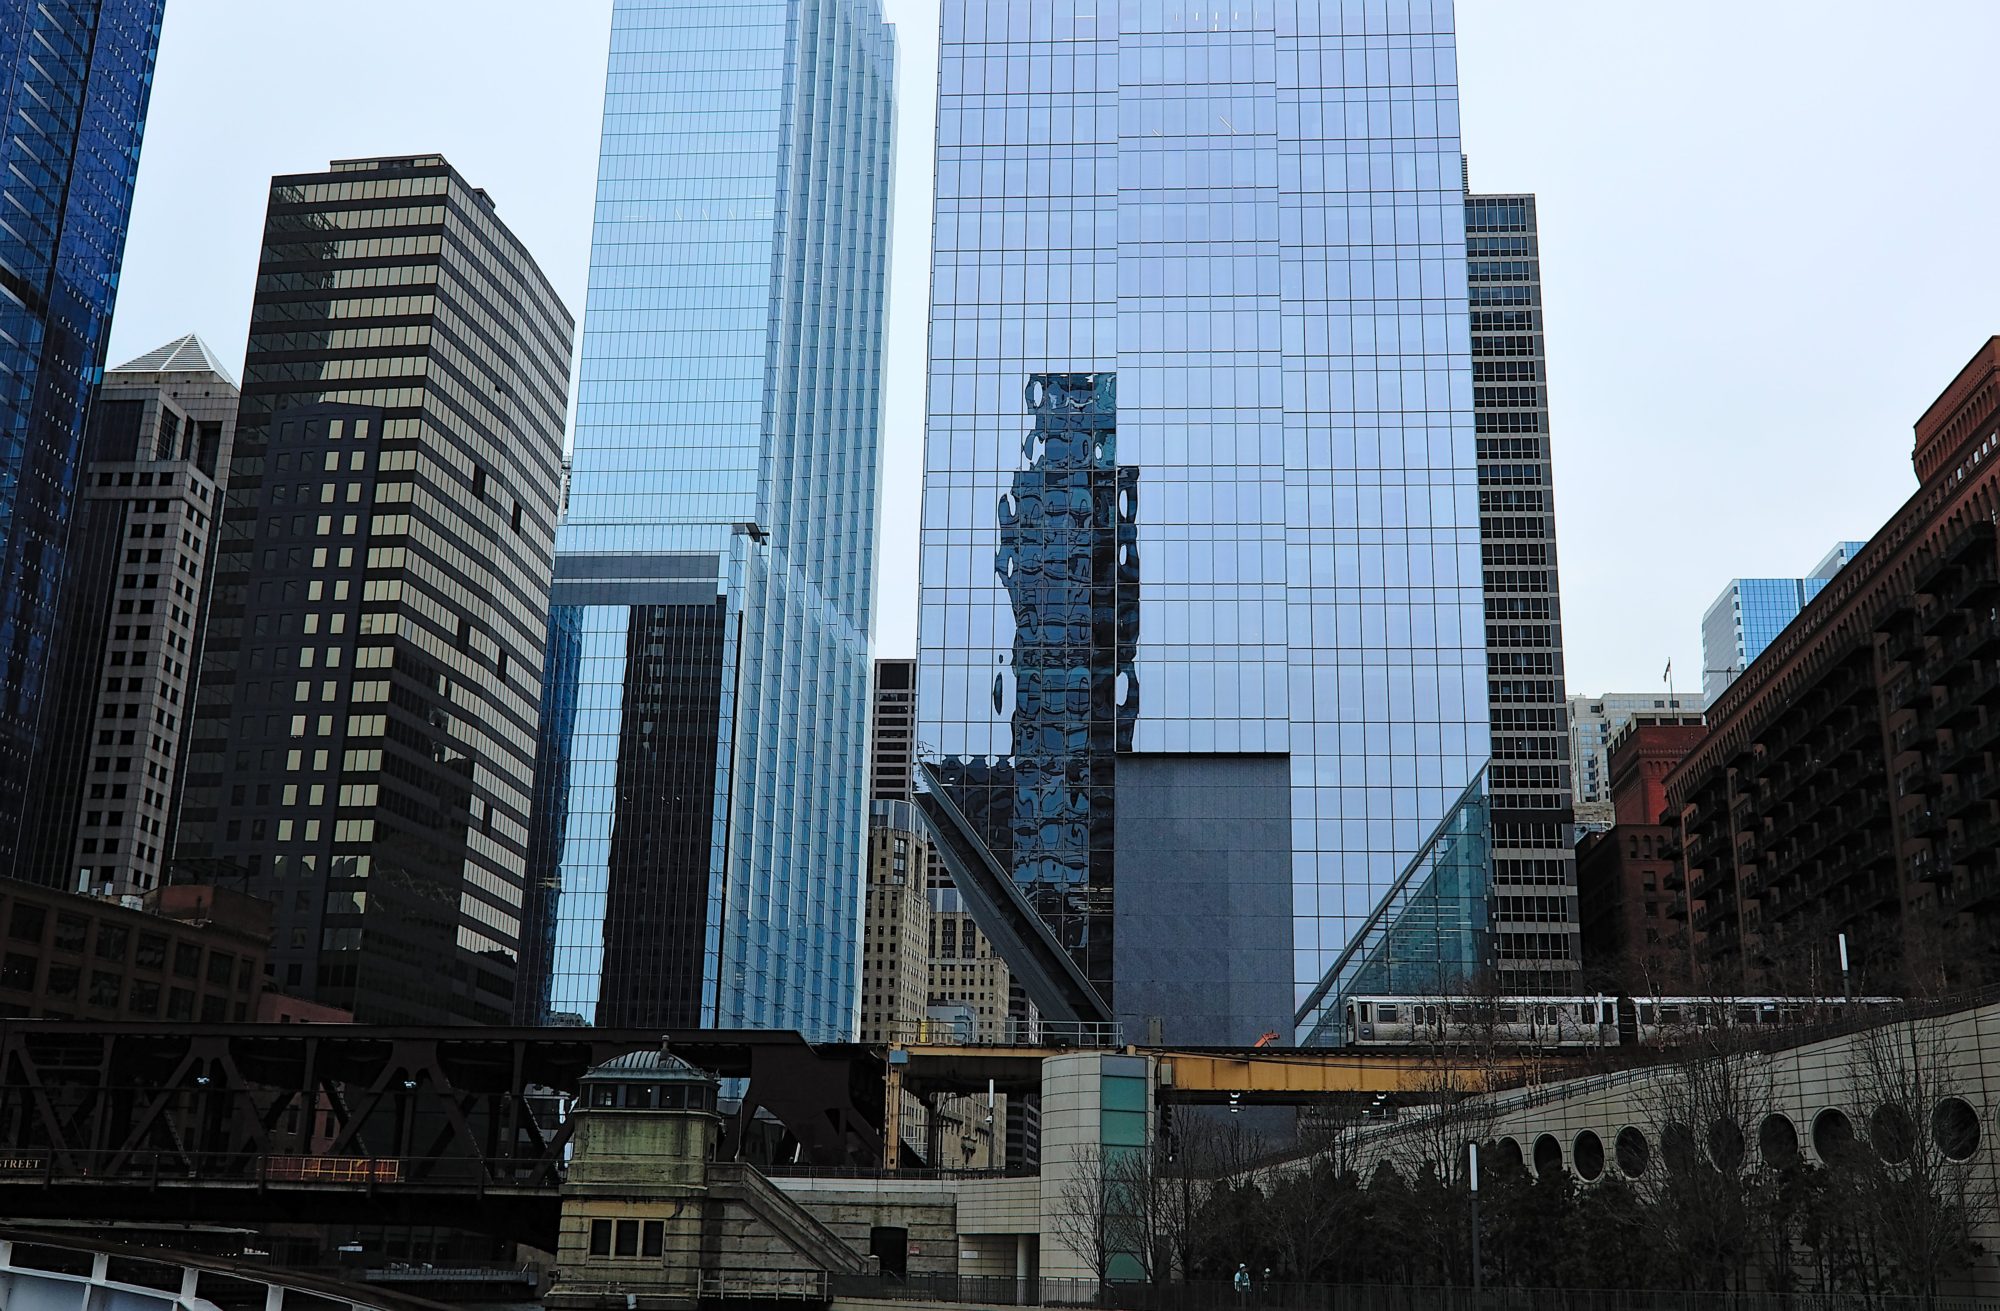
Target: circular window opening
1677, 1147
1508, 1153
1725, 1145
1588, 1153
1778, 1142
1548, 1156
1633, 1153
1832, 1135
1955, 1128
1891, 1133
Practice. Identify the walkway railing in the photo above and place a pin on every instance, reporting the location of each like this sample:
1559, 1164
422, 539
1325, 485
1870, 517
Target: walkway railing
1001, 1290
1011, 1032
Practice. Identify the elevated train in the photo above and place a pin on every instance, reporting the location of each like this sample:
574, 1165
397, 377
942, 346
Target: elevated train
1578, 1023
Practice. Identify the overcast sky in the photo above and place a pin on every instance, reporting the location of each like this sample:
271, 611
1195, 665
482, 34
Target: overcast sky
1766, 242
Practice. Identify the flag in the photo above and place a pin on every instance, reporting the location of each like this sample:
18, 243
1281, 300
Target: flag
1668, 676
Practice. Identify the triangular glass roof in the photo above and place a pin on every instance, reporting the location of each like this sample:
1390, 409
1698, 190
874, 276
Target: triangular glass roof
189, 354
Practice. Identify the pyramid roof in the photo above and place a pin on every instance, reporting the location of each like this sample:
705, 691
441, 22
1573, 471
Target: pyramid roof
189, 354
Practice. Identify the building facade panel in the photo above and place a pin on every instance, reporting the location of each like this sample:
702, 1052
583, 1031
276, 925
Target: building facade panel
1249, 232
75, 79
717, 558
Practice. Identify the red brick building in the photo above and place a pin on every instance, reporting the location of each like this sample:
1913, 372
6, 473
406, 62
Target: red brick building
1850, 780
1628, 878
187, 954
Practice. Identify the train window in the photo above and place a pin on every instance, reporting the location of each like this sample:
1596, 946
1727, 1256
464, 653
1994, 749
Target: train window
1745, 1015
1670, 1015
1385, 1012
1645, 1012
1510, 1015
1366, 1008
1461, 1014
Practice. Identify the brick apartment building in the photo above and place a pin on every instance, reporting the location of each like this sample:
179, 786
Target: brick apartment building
1850, 780
186, 954
1629, 880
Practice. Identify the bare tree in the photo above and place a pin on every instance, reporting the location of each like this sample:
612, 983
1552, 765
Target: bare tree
1704, 1190
1177, 1180
1918, 1195
1084, 1217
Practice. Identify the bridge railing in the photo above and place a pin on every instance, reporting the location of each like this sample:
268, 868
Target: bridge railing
168, 1167
959, 1031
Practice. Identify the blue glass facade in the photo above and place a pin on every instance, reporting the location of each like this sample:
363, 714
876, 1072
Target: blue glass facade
75, 76
715, 568
1429, 934
1253, 218
1750, 614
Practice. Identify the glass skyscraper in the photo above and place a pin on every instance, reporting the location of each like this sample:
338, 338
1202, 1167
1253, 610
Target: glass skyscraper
1201, 526
75, 76
707, 727
1751, 612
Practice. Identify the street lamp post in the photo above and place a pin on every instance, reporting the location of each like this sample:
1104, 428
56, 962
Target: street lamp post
1472, 1155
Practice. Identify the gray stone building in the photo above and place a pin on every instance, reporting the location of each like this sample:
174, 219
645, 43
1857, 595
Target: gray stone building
107, 782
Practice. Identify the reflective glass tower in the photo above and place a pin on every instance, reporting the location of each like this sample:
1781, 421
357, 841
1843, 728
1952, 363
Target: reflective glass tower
1201, 642
1751, 612
704, 765
75, 76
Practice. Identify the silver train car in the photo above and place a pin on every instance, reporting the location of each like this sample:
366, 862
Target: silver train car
1576, 1023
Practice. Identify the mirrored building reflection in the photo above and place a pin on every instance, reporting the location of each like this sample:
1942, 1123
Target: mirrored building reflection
714, 575
1253, 216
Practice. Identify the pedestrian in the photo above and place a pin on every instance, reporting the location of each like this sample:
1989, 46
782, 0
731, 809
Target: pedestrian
1242, 1282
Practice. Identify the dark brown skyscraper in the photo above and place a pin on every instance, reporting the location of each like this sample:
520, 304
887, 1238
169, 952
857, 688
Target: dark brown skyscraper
364, 740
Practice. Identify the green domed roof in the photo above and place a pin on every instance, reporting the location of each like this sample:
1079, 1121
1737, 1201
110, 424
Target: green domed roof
649, 1067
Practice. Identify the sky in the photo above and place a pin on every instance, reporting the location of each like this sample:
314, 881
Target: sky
1766, 243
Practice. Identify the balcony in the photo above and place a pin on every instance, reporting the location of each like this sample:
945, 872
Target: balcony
1954, 797
1712, 913
1707, 882
1908, 691
1976, 890
1932, 864
1982, 577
